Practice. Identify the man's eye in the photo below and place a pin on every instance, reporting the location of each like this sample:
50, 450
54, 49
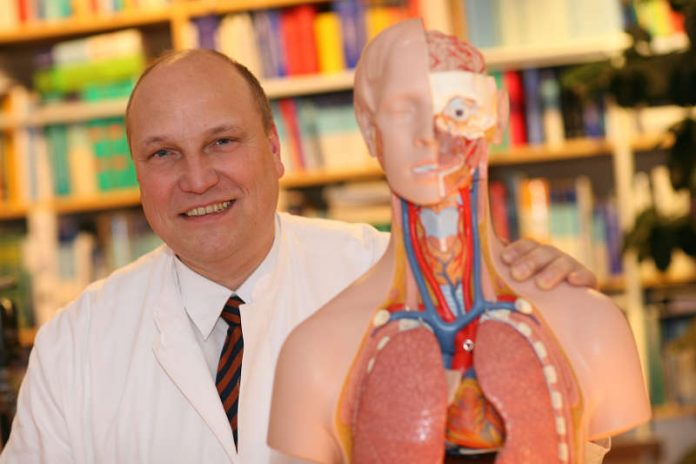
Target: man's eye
160, 153
224, 141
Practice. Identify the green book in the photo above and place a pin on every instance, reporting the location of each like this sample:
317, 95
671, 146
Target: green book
74, 77
57, 140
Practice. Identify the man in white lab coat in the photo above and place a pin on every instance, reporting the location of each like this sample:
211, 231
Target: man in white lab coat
126, 373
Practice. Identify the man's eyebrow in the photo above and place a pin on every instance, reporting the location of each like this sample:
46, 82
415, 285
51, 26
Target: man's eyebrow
152, 140
223, 128
157, 139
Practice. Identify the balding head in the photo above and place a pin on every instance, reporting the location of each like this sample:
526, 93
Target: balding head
201, 57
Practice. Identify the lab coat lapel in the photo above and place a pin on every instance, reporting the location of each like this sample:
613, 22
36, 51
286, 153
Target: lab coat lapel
181, 358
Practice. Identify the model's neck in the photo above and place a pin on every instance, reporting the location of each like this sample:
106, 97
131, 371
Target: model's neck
436, 245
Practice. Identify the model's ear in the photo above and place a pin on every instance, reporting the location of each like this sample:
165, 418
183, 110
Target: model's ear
367, 128
503, 116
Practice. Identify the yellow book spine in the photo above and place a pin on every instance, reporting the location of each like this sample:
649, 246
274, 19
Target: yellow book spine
327, 32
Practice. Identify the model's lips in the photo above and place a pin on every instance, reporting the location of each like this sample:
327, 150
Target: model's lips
425, 168
208, 209
438, 168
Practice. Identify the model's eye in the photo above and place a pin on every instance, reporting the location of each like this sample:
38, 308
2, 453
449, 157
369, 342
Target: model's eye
459, 109
224, 141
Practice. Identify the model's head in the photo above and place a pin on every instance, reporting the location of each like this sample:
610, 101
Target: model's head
425, 107
207, 157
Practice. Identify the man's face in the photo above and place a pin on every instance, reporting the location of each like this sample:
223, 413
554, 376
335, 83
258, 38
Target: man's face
430, 125
208, 172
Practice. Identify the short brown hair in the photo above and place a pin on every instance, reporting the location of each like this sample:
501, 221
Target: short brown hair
257, 91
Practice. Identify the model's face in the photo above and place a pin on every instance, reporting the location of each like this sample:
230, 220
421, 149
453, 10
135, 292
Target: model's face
208, 172
431, 125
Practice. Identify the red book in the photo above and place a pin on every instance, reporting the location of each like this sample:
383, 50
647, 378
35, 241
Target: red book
677, 21
23, 11
309, 58
515, 89
297, 32
288, 112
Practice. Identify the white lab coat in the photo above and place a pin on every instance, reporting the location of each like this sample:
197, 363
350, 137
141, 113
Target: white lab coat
118, 377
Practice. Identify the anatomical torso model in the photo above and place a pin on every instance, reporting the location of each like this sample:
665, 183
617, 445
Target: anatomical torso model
436, 347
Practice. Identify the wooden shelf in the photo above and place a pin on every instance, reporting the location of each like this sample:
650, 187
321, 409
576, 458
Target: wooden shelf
570, 149
556, 54
673, 411
323, 177
643, 143
65, 113
306, 85
12, 211
110, 200
657, 281
612, 284
204, 7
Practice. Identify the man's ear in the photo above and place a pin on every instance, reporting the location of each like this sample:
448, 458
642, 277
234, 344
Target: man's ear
274, 145
503, 116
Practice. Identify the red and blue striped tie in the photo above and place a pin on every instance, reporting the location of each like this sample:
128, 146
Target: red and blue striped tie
229, 372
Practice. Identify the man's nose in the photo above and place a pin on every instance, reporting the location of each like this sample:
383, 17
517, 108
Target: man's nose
199, 174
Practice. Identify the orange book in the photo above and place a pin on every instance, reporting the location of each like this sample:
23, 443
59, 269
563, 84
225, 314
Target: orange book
533, 208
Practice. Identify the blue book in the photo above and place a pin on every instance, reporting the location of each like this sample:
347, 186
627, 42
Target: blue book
482, 22
263, 32
534, 110
353, 29
613, 236
206, 30
276, 49
593, 118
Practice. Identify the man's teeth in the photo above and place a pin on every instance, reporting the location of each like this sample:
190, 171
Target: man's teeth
203, 210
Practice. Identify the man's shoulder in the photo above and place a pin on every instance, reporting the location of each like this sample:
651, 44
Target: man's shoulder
133, 275
117, 294
322, 232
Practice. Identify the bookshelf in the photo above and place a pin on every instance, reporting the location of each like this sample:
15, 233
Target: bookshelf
616, 150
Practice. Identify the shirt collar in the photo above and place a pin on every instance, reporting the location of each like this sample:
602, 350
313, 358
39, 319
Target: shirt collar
203, 299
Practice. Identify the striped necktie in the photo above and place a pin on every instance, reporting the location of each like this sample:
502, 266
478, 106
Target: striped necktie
229, 370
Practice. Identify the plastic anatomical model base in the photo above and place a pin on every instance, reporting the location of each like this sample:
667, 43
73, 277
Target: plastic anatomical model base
436, 348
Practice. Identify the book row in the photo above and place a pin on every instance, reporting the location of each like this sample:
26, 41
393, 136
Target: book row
65, 160
671, 335
91, 68
656, 17
16, 13
319, 133
545, 111
496, 23
305, 39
